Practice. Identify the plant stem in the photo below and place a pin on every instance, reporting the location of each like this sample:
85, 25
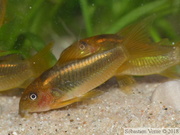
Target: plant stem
135, 14
86, 15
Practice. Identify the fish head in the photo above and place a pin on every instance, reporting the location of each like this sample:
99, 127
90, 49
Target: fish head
35, 98
95, 44
80, 49
89, 46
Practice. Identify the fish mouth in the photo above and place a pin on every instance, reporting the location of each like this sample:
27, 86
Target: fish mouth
26, 113
23, 112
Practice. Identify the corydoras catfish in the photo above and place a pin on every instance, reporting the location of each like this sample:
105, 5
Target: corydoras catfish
161, 58
67, 83
73, 77
16, 72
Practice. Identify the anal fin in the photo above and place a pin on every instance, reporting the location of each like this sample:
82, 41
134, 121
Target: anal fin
125, 83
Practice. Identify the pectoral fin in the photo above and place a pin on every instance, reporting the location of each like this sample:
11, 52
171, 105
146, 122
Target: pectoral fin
90, 94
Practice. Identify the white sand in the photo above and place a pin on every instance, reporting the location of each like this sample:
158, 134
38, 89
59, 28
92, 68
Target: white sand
106, 114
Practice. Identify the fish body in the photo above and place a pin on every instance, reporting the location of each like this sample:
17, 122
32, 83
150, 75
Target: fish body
156, 64
162, 58
16, 72
63, 83
158, 58
90, 62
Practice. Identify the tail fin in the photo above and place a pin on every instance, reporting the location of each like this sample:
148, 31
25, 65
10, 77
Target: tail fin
42, 60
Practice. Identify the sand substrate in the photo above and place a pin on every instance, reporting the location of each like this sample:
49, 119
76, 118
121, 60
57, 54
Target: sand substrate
106, 114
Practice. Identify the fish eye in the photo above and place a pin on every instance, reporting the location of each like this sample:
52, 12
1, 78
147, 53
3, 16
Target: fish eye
33, 96
82, 45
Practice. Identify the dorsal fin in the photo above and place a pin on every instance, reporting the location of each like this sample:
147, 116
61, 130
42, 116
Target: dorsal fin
42, 60
136, 38
137, 32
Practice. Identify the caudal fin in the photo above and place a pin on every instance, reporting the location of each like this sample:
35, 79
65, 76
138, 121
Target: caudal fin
42, 60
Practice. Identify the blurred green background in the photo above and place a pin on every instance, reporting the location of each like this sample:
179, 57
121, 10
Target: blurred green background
28, 25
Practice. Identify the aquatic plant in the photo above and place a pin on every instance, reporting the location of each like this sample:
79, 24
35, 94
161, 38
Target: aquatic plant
29, 24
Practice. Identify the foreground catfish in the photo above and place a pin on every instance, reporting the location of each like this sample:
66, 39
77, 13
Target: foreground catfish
77, 72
